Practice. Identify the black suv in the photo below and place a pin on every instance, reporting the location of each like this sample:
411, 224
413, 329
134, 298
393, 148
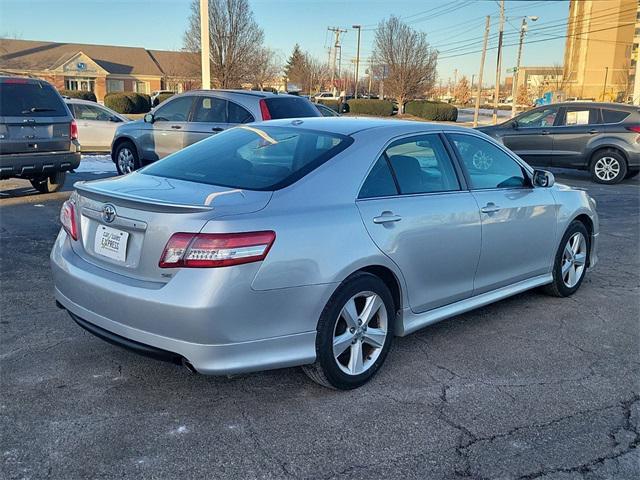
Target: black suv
603, 138
38, 135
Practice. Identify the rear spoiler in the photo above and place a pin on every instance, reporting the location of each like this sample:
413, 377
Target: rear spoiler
91, 191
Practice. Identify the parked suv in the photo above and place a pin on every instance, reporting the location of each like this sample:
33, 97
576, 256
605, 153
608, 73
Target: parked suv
600, 137
38, 135
189, 117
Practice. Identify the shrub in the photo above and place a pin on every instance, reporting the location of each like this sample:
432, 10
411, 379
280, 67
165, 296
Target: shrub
128, 102
438, 111
81, 94
162, 97
120, 102
371, 107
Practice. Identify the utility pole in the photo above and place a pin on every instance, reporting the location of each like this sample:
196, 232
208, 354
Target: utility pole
336, 45
371, 76
604, 88
355, 93
498, 65
476, 110
204, 44
516, 73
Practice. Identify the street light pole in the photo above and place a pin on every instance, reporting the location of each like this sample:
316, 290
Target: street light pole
204, 44
498, 65
355, 93
516, 73
476, 110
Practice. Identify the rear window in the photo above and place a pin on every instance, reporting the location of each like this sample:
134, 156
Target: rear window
30, 99
266, 158
613, 116
290, 107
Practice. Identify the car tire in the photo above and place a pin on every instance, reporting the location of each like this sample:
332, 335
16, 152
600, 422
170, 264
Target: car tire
631, 173
50, 184
358, 321
571, 261
608, 167
126, 158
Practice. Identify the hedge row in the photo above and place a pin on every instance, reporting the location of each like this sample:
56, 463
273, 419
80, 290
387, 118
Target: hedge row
439, 111
128, 102
382, 108
162, 97
81, 94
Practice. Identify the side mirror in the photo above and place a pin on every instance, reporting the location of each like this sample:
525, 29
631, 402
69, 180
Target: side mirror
114, 119
514, 124
544, 179
148, 118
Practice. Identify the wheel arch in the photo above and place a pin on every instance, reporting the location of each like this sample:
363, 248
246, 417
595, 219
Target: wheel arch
588, 224
119, 141
603, 147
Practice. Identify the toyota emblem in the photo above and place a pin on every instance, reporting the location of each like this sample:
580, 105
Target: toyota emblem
108, 213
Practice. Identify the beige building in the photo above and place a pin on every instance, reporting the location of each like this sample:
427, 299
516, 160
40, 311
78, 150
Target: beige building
598, 54
538, 80
100, 69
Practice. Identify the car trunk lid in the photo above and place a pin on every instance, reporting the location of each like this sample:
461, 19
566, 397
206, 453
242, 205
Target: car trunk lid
142, 212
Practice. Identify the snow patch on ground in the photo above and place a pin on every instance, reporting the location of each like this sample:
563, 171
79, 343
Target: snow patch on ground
98, 164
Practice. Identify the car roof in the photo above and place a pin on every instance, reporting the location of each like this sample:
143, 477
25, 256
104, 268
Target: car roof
79, 100
619, 106
352, 125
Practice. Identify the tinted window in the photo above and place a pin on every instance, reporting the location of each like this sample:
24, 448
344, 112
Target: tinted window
238, 114
422, 165
487, 165
580, 116
177, 110
211, 110
90, 112
251, 158
31, 99
613, 116
543, 117
379, 182
290, 107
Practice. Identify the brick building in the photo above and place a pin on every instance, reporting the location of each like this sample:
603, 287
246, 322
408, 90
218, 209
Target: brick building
101, 69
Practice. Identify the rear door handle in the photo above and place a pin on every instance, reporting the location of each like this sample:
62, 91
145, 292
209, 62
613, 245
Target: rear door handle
545, 132
217, 129
387, 217
593, 131
490, 208
176, 127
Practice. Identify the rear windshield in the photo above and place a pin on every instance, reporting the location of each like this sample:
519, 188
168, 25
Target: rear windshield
290, 107
251, 158
30, 99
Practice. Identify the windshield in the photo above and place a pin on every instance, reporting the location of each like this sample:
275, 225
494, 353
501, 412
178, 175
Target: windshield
252, 158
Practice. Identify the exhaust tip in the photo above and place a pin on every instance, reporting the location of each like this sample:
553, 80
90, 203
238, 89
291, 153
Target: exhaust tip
187, 364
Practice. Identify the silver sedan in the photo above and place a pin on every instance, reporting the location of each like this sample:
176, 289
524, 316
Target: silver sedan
314, 242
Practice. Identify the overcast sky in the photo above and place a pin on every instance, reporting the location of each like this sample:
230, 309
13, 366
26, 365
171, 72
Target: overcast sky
455, 27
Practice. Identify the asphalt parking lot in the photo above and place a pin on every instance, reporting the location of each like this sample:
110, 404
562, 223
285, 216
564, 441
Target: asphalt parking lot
530, 387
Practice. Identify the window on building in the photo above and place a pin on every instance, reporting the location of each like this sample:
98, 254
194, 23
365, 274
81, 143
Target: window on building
115, 85
83, 84
141, 87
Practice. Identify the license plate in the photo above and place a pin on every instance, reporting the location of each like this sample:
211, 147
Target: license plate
111, 243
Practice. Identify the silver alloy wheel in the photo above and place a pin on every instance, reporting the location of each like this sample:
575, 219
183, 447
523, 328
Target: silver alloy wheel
126, 161
574, 259
607, 168
360, 333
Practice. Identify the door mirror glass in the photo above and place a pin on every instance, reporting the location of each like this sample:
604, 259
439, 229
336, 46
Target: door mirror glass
544, 179
149, 118
514, 124
115, 119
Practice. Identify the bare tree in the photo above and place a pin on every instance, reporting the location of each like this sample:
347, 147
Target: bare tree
463, 91
410, 61
265, 68
234, 39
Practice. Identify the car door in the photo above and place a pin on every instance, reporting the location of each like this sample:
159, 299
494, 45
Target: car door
96, 127
209, 117
166, 134
529, 135
578, 126
518, 220
416, 209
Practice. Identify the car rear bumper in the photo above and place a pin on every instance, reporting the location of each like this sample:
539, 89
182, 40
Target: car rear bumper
633, 159
31, 165
230, 330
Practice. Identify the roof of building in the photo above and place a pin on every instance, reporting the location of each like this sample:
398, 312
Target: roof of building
33, 55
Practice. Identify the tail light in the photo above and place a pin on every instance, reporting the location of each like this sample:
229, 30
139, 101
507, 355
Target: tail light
264, 110
634, 128
73, 130
68, 219
208, 250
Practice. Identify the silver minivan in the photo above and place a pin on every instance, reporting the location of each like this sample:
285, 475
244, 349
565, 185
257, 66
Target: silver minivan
185, 119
